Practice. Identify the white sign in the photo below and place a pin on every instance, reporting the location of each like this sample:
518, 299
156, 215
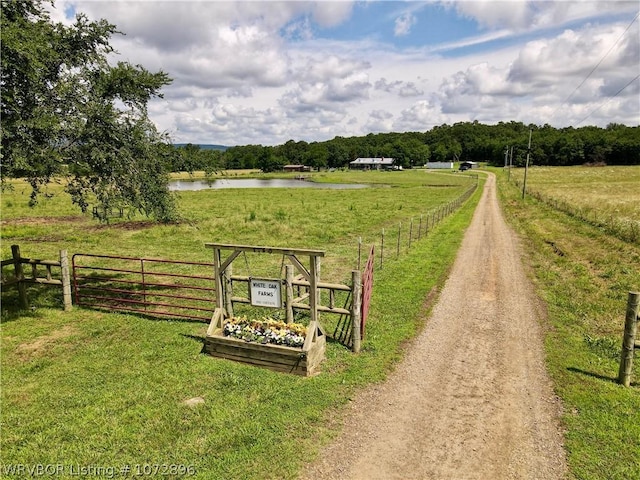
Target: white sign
265, 293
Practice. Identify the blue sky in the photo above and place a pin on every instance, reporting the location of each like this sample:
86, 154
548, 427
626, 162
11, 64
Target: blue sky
417, 24
267, 72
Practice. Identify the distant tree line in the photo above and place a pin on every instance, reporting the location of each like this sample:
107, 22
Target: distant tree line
465, 141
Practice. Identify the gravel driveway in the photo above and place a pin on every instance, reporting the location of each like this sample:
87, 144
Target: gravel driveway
472, 399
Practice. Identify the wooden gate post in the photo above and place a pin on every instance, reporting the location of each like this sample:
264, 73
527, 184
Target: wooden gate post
228, 289
17, 265
289, 291
628, 342
217, 260
356, 309
66, 280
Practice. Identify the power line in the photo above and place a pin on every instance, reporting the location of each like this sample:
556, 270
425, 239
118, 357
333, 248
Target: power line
597, 65
609, 99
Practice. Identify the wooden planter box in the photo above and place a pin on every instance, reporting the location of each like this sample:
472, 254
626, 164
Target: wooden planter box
300, 361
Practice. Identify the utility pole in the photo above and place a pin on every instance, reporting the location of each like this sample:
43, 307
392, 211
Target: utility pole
526, 166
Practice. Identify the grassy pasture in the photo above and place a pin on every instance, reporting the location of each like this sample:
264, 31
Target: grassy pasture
605, 196
584, 275
89, 388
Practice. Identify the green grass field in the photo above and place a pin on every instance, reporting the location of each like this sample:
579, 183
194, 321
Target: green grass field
584, 276
608, 197
107, 389
90, 388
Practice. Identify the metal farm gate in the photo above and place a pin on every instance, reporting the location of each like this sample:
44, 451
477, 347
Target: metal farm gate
154, 287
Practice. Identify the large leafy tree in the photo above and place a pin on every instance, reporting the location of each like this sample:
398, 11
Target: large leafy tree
67, 111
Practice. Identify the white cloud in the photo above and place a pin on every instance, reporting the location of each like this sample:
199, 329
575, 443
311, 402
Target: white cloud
403, 24
403, 89
544, 74
322, 68
331, 13
259, 72
379, 121
492, 14
410, 89
590, 55
420, 116
382, 84
334, 94
535, 14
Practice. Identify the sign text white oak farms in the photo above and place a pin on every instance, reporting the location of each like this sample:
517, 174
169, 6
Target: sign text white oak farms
265, 293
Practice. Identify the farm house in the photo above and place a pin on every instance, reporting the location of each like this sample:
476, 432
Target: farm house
378, 163
296, 168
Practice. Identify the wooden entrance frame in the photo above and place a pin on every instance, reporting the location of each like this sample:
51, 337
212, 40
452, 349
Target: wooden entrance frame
279, 358
221, 266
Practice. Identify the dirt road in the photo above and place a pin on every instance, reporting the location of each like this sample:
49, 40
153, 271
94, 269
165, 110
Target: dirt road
472, 399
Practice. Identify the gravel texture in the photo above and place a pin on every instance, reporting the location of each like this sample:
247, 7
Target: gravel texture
471, 399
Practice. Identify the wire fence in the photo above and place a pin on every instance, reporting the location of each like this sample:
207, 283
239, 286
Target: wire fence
393, 242
627, 230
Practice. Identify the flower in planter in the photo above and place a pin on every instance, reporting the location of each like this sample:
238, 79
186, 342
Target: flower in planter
266, 331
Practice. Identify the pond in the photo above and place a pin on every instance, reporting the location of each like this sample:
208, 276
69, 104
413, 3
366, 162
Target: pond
192, 185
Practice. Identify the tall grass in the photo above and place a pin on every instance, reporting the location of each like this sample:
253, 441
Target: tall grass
606, 197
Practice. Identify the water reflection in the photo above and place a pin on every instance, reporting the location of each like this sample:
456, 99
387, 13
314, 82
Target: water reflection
192, 185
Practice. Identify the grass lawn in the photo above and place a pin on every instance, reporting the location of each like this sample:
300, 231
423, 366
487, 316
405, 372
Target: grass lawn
107, 390
584, 276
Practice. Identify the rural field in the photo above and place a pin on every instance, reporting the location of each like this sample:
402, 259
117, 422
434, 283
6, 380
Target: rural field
107, 389
605, 196
583, 272
104, 389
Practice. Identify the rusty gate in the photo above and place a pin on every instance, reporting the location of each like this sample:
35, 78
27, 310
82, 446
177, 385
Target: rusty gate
153, 287
367, 289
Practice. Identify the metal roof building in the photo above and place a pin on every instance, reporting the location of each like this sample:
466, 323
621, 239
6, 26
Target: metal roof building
372, 163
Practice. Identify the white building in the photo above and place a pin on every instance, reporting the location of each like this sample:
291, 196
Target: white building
440, 165
377, 163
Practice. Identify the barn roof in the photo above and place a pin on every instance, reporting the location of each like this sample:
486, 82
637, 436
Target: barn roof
373, 161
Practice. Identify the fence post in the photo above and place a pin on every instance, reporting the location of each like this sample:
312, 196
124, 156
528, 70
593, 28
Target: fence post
289, 290
356, 309
228, 290
410, 233
628, 342
17, 265
66, 280
382, 249
398, 245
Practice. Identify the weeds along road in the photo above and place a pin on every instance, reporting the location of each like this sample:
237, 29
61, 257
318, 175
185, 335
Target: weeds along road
471, 399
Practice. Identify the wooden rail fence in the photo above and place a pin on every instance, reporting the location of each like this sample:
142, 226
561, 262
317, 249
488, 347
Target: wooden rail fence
136, 285
22, 278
